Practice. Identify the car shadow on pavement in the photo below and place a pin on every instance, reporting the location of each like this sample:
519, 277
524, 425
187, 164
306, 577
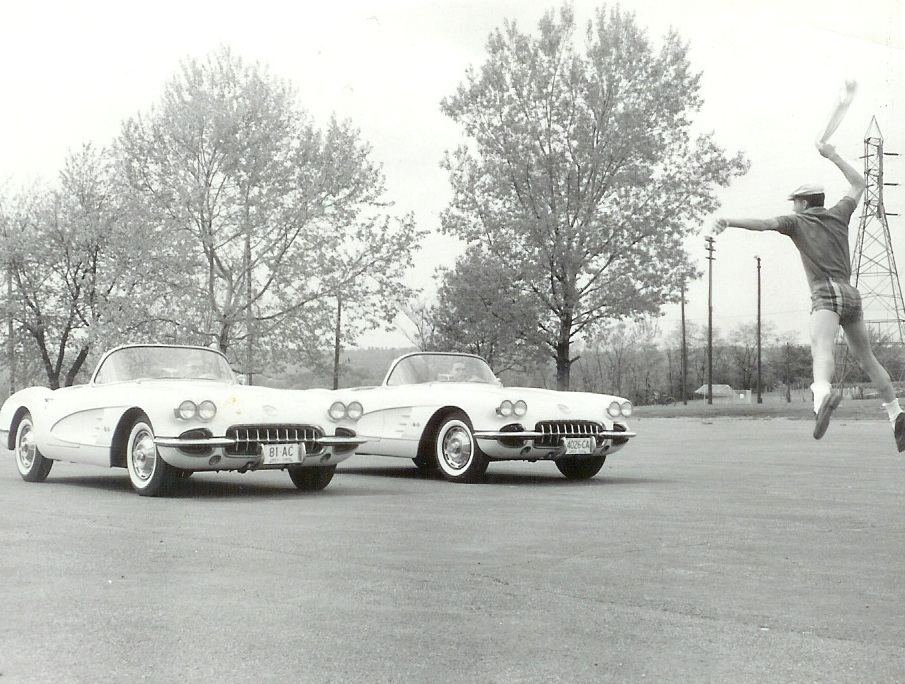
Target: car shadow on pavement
194, 487
403, 472
497, 478
556, 480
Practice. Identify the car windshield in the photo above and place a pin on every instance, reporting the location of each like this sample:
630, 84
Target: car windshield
423, 368
157, 362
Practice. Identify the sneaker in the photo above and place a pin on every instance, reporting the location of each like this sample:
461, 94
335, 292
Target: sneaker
830, 402
899, 431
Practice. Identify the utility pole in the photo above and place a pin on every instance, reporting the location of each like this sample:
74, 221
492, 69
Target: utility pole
760, 399
337, 336
710, 250
684, 352
788, 373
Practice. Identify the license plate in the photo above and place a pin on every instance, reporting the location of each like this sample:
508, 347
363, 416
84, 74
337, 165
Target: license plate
275, 454
579, 445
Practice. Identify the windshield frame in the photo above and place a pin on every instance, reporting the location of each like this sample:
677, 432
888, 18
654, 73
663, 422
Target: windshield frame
135, 362
423, 368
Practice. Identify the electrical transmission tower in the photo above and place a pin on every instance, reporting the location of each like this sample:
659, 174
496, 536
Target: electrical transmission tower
873, 263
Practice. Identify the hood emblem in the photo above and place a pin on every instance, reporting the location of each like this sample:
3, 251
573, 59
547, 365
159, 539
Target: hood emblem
563, 408
270, 410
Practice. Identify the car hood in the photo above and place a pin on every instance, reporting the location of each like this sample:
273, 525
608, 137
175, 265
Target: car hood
479, 398
235, 403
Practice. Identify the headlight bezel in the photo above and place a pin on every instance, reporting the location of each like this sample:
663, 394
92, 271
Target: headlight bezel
620, 408
509, 408
354, 410
187, 409
207, 410
340, 410
337, 411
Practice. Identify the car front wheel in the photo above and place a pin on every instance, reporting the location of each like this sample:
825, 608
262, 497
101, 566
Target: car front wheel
149, 473
580, 468
311, 478
32, 465
458, 455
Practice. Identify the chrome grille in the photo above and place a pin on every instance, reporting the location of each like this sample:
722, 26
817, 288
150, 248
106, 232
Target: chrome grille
556, 431
249, 438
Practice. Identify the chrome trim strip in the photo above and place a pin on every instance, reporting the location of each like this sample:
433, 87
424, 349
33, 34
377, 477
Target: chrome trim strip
338, 440
208, 441
496, 434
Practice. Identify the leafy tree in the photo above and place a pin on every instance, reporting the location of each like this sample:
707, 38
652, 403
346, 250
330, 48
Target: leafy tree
363, 268
582, 177
75, 266
420, 327
262, 217
481, 310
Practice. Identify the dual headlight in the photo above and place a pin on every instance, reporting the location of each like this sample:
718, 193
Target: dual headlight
619, 409
189, 410
512, 408
338, 410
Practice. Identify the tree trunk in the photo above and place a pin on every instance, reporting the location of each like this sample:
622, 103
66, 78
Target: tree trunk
563, 348
76, 366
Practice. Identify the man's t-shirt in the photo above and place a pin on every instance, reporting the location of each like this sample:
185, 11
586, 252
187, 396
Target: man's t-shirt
821, 236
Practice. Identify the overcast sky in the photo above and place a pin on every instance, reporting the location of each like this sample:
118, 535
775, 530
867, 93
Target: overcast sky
72, 72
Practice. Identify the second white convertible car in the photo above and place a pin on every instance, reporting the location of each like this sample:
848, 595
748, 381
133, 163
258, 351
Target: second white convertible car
450, 411
166, 411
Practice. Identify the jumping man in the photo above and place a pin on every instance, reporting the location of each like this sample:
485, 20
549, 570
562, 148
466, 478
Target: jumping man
821, 236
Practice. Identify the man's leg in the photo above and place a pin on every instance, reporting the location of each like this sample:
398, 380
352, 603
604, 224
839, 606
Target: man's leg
858, 340
823, 328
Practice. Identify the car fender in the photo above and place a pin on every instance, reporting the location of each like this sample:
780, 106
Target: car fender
31, 399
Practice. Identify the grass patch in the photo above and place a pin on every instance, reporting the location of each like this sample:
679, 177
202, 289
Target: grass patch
772, 407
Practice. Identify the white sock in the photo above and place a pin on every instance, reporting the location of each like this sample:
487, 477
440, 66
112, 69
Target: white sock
820, 390
893, 409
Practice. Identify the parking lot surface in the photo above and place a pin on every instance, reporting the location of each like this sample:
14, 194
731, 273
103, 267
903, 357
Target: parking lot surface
708, 550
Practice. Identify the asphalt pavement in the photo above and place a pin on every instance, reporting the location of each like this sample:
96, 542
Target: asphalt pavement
708, 550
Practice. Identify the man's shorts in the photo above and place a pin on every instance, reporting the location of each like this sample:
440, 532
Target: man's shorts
831, 295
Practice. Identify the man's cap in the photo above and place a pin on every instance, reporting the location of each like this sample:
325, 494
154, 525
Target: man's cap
806, 190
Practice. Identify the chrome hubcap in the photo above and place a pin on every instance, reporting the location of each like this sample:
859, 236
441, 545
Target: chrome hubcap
26, 450
144, 455
457, 447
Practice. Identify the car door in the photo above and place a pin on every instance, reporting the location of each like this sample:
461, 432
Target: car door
77, 423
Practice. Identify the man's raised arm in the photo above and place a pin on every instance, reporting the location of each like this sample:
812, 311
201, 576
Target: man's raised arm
746, 223
852, 175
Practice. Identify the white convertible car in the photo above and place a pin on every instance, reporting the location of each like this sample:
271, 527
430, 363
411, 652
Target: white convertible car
450, 411
166, 411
